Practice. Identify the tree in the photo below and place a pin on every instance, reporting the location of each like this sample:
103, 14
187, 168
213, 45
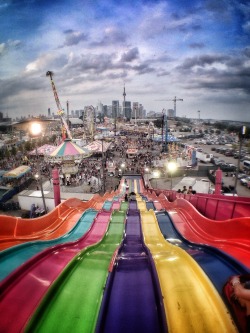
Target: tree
13, 150
27, 146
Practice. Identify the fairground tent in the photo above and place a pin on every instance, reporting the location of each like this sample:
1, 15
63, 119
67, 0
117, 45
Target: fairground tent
170, 138
17, 172
98, 146
43, 150
69, 150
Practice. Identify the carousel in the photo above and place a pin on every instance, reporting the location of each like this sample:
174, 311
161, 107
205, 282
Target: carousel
68, 155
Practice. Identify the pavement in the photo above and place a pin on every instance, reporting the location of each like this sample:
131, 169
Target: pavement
66, 191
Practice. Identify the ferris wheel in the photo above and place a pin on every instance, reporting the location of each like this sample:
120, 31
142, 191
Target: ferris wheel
89, 122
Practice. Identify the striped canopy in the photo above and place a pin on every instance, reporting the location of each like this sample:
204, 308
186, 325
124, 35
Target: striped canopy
70, 149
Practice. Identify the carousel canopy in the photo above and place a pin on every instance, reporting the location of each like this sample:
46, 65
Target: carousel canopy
70, 149
17, 172
43, 150
98, 146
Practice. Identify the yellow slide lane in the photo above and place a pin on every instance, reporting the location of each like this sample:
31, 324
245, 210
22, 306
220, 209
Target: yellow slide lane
191, 302
135, 186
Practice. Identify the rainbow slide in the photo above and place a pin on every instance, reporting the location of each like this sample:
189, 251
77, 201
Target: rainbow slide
147, 265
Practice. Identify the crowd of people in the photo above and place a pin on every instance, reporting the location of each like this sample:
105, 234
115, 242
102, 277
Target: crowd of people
91, 171
186, 190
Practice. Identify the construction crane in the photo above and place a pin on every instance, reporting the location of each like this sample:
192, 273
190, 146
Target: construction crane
165, 121
60, 111
173, 100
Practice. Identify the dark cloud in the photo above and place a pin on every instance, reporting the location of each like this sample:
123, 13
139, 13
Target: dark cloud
202, 61
197, 45
14, 86
9, 45
143, 69
111, 37
217, 6
92, 63
162, 72
131, 55
223, 73
74, 37
247, 52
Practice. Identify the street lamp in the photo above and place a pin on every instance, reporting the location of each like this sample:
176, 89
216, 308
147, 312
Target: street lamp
146, 177
37, 178
103, 168
242, 135
171, 168
36, 130
123, 167
156, 175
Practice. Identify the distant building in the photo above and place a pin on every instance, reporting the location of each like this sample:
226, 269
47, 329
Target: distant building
75, 122
171, 113
115, 109
105, 110
127, 109
77, 113
99, 108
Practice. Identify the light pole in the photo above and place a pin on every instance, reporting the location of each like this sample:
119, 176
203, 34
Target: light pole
103, 169
156, 175
242, 135
146, 177
171, 169
123, 167
36, 131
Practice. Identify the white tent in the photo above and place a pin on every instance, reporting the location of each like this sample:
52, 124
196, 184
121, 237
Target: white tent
98, 146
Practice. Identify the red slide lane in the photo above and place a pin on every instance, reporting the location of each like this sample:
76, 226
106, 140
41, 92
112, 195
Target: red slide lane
39, 273
231, 236
62, 219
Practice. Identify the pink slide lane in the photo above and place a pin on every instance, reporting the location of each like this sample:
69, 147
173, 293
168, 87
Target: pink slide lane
231, 236
23, 290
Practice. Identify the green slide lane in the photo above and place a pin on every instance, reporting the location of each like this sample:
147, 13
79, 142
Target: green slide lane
72, 304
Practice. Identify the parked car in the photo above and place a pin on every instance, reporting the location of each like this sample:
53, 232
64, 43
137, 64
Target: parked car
229, 153
242, 175
244, 181
227, 167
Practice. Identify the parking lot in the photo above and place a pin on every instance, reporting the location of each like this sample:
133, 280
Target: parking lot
228, 179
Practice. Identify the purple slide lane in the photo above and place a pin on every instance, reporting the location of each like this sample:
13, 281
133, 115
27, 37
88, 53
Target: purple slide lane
38, 274
132, 299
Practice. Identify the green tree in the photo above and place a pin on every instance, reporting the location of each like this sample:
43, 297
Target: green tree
13, 151
27, 146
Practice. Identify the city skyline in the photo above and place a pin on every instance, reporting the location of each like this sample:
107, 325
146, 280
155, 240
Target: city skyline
197, 51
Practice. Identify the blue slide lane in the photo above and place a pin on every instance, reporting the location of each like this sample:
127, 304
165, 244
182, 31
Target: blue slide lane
216, 264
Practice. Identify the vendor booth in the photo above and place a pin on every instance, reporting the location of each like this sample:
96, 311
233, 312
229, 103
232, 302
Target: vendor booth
17, 172
15, 181
132, 152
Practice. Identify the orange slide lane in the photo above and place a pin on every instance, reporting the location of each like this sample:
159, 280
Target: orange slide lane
15, 230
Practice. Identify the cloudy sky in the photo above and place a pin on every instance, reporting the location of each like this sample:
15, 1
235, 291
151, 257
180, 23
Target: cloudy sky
196, 50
